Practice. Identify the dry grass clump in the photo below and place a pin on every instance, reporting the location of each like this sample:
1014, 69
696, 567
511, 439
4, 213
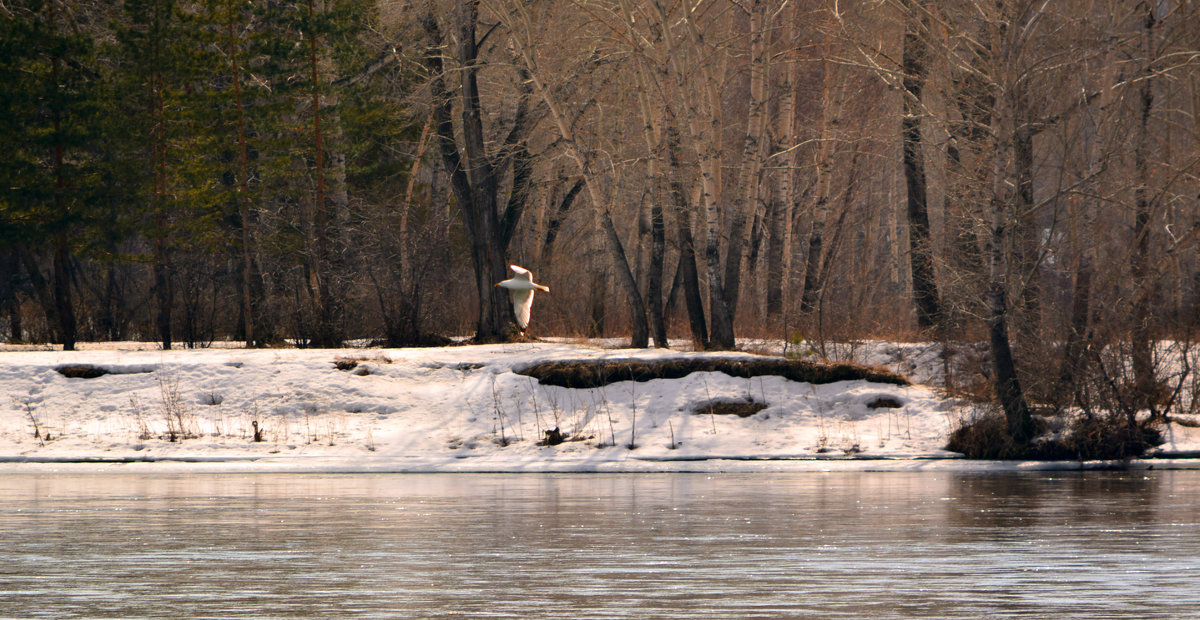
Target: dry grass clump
586, 374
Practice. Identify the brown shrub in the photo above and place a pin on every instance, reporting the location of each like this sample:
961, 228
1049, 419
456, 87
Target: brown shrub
1109, 438
985, 437
1085, 438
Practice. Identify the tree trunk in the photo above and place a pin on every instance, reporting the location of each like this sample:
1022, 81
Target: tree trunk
319, 267
64, 309
721, 321
654, 294
746, 197
834, 244
754, 254
487, 258
640, 337
16, 334
597, 289
653, 136
1000, 261
164, 292
780, 210
824, 169
1027, 241
473, 176
1077, 336
812, 263
10, 299
924, 284
1008, 387
775, 224
1004, 367
704, 124
254, 331
1141, 335
41, 288
687, 244
690, 275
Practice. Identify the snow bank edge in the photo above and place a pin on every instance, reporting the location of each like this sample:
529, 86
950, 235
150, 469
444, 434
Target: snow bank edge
333, 465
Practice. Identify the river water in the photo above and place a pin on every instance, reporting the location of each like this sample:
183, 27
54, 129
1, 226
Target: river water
860, 545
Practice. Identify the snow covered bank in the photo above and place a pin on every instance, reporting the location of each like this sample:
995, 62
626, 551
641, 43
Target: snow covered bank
457, 409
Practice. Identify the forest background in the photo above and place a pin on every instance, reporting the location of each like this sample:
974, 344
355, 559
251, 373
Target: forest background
1024, 175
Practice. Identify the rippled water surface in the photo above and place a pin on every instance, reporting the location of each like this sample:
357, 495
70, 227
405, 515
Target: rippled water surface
1095, 545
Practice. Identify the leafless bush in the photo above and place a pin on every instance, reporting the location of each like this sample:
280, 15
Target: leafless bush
179, 418
1058, 437
139, 413
29, 411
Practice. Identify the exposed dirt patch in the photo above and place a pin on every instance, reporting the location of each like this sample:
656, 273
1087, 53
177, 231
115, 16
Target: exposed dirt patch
81, 371
885, 402
739, 408
599, 373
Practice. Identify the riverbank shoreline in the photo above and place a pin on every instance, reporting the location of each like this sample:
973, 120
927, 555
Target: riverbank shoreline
472, 409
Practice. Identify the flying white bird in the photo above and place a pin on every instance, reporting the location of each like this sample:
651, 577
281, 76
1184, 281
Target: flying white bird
520, 288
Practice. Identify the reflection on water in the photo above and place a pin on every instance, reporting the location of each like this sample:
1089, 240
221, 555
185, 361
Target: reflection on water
1096, 545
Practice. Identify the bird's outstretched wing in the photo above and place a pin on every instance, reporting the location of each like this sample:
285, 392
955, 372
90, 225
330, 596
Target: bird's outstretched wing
521, 273
522, 301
